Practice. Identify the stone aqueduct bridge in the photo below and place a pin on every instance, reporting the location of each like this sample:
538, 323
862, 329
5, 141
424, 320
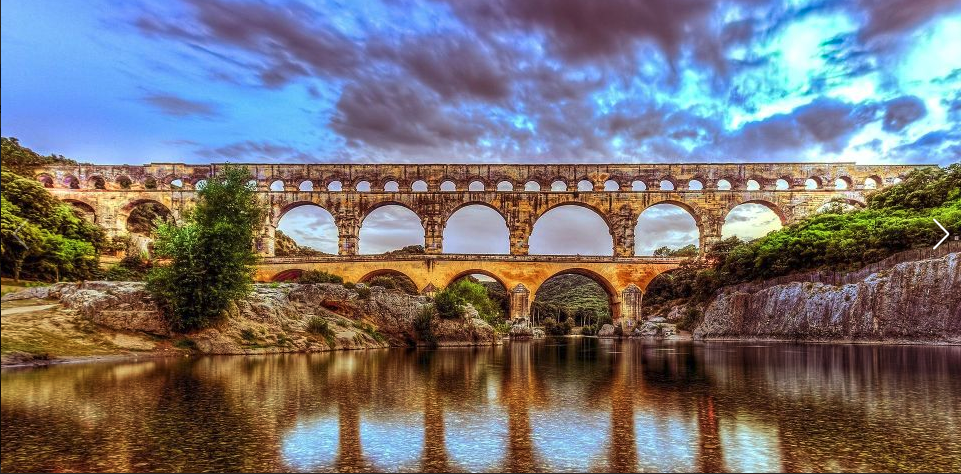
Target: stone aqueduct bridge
520, 193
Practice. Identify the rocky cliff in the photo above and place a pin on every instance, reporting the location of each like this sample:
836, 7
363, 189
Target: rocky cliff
285, 317
911, 302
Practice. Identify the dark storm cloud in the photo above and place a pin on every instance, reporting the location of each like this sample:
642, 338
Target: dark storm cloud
180, 107
253, 151
892, 17
902, 112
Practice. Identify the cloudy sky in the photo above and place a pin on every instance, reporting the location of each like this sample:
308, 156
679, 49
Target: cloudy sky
484, 81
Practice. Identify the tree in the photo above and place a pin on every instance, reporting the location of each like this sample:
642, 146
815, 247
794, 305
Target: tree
211, 256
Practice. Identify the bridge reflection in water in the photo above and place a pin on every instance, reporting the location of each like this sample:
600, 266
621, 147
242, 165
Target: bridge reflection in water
562, 405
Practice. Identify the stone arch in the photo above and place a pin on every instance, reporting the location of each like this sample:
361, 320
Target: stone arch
783, 183
477, 271
391, 186
613, 298
642, 239
843, 183
559, 185
612, 185
781, 214
670, 180
505, 186
876, 182
599, 213
275, 221
46, 180
753, 184
476, 185
362, 186
638, 185
128, 209
71, 181
276, 185
843, 200
366, 213
724, 184
532, 186
695, 184
813, 182
384, 272
419, 186
96, 182
305, 185
448, 186
502, 233
150, 182
85, 208
291, 274
585, 185
334, 185
200, 184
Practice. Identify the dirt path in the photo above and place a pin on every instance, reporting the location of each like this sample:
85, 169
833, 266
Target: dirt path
26, 309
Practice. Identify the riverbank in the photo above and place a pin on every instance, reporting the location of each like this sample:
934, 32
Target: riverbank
914, 302
87, 320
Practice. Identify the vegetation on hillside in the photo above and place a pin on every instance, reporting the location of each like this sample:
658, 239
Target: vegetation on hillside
285, 246
211, 260
41, 237
572, 296
896, 218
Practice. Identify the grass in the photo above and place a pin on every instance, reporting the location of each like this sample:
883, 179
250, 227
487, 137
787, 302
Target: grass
7, 285
370, 331
319, 326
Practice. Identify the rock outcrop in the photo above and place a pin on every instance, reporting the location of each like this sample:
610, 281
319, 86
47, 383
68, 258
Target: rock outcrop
911, 302
284, 317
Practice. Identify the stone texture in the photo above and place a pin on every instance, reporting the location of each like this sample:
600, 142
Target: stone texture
606, 330
914, 301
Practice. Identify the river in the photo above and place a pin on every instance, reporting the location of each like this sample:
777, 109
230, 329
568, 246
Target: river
554, 405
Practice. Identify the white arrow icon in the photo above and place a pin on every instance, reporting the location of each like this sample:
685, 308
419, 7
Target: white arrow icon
946, 234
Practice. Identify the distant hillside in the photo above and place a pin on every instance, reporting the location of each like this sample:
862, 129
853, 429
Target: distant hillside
571, 295
284, 246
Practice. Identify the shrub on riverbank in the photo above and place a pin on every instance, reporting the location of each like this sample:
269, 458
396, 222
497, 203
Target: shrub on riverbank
318, 276
211, 260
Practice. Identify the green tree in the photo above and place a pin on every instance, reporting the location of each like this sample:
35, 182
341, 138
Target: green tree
211, 257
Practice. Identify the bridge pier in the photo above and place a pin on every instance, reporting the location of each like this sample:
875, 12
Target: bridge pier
520, 302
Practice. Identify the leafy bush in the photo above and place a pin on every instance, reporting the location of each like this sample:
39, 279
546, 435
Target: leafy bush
451, 301
423, 324
211, 259
395, 282
133, 267
248, 335
319, 276
363, 292
553, 328
449, 305
319, 326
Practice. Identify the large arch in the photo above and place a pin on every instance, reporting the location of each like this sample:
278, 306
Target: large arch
471, 228
390, 273
752, 219
613, 301
130, 209
388, 226
669, 223
308, 224
768, 204
476, 271
287, 275
546, 234
85, 209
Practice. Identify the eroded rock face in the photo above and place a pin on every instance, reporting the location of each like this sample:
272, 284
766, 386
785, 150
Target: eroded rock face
606, 330
655, 328
912, 302
273, 318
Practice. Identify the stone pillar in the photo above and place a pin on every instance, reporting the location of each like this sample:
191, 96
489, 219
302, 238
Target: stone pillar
710, 229
631, 299
266, 243
622, 231
520, 302
433, 235
348, 233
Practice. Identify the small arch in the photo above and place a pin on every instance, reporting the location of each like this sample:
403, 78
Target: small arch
752, 185
585, 185
842, 183
391, 187
695, 185
363, 187
71, 182
150, 183
723, 185
558, 186
532, 186
505, 186
782, 185
306, 185
97, 182
638, 185
252, 184
290, 275
419, 186
140, 215
200, 184
812, 183
448, 186
335, 186
46, 180
476, 271
475, 186
872, 182
611, 185
124, 182
277, 186
667, 184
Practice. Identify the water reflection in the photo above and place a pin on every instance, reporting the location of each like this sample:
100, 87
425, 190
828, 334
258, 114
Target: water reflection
562, 405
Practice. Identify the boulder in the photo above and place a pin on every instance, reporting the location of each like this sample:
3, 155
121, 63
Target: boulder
606, 330
521, 331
